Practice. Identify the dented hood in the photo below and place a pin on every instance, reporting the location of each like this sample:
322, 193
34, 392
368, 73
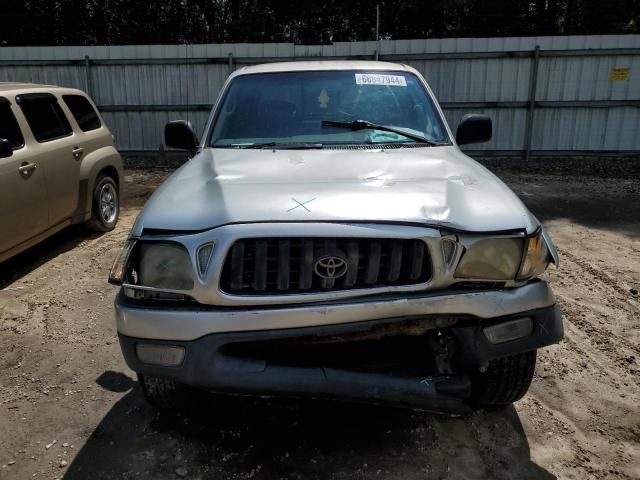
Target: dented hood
435, 186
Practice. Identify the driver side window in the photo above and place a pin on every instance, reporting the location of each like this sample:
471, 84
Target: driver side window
9, 127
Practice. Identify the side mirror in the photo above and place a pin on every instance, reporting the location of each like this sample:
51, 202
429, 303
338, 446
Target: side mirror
474, 128
179, 134
5, 148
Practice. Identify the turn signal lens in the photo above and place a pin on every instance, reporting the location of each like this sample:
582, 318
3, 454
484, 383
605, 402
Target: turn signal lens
535, 258
116, 276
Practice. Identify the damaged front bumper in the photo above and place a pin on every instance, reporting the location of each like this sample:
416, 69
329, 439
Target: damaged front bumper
416, 351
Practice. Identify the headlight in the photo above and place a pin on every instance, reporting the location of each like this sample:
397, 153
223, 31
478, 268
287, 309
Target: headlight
536, 258
491, 259
166, 266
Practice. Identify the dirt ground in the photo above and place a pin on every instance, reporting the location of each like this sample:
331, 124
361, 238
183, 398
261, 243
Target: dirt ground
70, 408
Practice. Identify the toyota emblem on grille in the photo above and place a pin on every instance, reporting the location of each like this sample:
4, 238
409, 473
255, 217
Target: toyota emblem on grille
330, 266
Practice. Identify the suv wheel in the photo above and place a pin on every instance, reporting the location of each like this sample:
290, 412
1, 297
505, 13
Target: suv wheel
168, 394
505, 381
105, 206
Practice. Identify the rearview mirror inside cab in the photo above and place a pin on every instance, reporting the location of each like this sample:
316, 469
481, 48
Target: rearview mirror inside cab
474, 128
5, 148
179, 134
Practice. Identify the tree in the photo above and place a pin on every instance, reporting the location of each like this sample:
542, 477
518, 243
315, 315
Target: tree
109, 22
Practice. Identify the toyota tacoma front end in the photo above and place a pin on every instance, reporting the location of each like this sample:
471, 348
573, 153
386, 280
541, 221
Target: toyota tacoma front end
329, 239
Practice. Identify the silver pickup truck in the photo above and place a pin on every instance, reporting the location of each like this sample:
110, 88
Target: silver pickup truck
329, 239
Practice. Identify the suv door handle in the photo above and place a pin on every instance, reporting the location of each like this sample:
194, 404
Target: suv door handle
77, 152
26, 169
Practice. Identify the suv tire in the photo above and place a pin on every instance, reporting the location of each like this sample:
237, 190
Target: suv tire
168, 394
105, 207
505, 381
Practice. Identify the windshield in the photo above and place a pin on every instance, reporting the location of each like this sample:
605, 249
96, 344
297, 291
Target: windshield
288, 108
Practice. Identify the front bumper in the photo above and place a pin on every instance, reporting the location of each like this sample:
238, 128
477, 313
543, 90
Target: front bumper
230, 360
185, 323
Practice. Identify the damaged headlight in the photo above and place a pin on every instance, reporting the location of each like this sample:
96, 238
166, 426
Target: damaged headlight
491, 259
165, 266
507, 258
161, 265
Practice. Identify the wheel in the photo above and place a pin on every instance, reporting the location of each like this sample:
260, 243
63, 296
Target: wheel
168, 394
105, 206
505, 380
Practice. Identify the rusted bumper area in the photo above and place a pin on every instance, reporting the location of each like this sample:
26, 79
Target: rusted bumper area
420, 362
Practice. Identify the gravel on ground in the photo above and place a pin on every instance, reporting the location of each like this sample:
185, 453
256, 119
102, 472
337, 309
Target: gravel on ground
70, 408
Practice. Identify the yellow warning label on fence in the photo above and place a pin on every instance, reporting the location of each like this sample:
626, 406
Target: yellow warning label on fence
619, 74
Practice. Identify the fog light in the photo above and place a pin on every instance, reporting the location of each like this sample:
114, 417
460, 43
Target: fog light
511, 330
165, 355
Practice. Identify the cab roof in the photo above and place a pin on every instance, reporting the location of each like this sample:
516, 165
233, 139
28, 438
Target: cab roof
10, 89
320, 65
10, 86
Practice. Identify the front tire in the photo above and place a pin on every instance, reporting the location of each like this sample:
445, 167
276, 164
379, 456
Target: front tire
506, 380
168, 394
105, 207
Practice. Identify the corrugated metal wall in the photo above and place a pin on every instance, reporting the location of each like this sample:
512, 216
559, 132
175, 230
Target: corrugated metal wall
578, 105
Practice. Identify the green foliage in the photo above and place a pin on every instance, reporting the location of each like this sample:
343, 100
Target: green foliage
105, 22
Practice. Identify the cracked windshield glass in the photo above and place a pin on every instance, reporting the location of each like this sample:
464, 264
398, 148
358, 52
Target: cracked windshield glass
297, 108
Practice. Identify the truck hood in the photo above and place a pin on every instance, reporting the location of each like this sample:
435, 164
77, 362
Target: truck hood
434, 186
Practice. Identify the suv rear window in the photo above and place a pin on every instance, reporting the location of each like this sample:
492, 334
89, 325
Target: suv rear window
83, 112
44, 115
9, 128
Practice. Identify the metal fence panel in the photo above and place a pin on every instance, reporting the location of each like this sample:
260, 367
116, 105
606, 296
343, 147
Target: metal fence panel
68, 76
508, 127
479, 80
579, 104
143, 131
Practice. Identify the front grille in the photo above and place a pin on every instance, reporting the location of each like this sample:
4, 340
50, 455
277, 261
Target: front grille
264, 266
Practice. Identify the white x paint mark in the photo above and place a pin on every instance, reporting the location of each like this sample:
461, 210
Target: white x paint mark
301, 204
498, 304
543, 326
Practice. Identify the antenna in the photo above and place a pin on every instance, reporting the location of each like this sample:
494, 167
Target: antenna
377, 31
186, 59
186, 71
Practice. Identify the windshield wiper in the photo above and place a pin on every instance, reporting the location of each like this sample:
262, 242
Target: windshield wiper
279, 146
364, 124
